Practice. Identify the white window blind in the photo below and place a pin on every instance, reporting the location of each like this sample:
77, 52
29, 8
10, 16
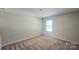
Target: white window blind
49, 25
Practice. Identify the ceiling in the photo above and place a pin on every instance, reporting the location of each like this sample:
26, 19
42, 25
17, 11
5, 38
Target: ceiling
39, 12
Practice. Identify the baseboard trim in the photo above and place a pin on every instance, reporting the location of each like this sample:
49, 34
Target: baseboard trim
32, 36
62, 39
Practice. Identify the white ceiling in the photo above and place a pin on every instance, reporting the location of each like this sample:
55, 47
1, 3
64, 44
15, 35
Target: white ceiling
40, 12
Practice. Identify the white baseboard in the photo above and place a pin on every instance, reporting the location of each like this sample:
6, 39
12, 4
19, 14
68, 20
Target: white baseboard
22, 39
62, 39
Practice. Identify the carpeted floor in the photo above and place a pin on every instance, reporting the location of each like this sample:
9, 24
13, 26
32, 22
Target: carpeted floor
42, 43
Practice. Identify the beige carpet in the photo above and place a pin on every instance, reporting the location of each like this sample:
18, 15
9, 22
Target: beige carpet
42, 43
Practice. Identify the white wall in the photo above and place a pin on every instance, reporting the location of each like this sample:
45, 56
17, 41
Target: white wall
65, 26
16, 27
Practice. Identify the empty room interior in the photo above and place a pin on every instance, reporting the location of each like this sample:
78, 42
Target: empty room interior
39, 28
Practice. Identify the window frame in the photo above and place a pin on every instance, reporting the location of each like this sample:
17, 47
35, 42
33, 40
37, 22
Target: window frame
47, 28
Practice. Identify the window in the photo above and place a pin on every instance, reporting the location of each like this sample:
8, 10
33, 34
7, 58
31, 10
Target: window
49, 25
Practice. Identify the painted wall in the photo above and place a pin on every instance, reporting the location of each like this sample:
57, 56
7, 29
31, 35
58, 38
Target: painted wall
14, 27
65, 26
